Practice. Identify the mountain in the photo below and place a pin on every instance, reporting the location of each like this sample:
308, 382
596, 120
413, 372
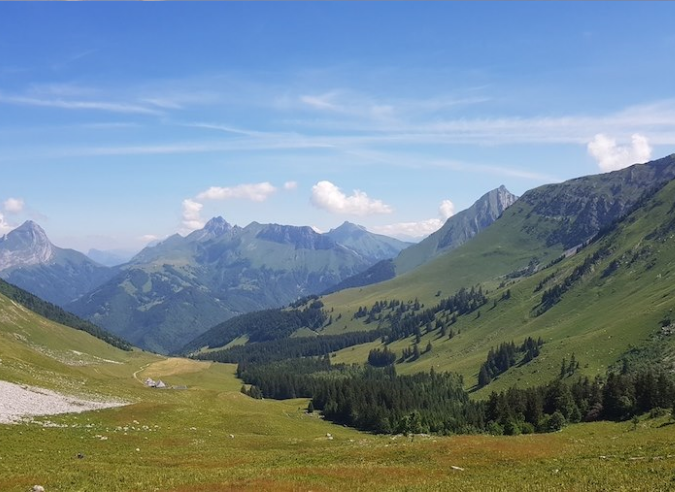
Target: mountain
585, 266
29, 260
172, 292
538, 228
457, 230
373, 247
110, 258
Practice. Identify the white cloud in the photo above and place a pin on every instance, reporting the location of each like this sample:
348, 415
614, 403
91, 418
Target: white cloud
421, 229
148, 238
257, 192
4, 226
611, 156
290, 185
446, 209
13, 205
192, 219
329, 197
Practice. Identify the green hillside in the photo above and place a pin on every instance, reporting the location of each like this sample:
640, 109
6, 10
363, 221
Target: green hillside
542, 225
58, 315
611, 301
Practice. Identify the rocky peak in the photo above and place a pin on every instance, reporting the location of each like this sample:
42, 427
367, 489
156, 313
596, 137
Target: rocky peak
26, 245
347, 229
217, 226
214, 228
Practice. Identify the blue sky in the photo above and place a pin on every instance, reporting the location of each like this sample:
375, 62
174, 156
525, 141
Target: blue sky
124, 122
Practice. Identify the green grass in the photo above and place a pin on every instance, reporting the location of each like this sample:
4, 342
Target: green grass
180, 440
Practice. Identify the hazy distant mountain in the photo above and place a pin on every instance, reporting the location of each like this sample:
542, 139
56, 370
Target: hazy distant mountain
110, 258
176, 290
373, 247
29, 260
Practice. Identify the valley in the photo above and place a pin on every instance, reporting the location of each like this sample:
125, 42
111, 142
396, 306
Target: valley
274, 400
212, 437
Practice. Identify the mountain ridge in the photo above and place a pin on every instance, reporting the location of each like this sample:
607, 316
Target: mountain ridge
183, 285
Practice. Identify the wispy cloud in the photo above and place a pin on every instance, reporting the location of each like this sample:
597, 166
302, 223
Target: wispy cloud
5, 226
192, 219
72, 104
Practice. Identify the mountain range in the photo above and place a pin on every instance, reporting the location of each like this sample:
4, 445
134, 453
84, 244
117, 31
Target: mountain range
177, 289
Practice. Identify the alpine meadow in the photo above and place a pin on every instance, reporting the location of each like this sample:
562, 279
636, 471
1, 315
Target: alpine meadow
327, 246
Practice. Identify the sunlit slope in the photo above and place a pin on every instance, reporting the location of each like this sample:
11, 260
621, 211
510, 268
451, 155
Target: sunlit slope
37, 351
539, 227
621, 300
500, 249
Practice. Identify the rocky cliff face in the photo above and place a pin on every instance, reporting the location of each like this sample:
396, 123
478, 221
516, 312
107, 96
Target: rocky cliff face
24, 246
29, 260
577, 209
457, 230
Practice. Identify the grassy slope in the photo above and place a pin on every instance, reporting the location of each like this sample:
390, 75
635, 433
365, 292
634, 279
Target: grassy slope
180, 440
600, 318
491, 254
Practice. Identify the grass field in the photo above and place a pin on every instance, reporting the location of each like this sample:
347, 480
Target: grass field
208, 439
211, 437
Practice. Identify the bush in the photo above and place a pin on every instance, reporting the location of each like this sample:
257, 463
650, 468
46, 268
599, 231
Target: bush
658, 412
495, 429
512, 428
556, 422
526, 428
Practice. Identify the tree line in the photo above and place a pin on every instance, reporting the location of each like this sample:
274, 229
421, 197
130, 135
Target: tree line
289, 348
381, 401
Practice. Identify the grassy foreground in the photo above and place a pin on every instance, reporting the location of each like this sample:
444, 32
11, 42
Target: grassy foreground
210, 437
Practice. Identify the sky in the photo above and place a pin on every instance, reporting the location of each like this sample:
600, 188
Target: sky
123, 123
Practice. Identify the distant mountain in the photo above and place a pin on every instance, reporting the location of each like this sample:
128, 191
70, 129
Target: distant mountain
110, 258
29, 260
172, 292
456, 231
373, 247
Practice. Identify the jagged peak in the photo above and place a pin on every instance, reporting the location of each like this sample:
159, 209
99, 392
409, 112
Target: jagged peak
28, 244
30, 225
29, 231
217, 225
